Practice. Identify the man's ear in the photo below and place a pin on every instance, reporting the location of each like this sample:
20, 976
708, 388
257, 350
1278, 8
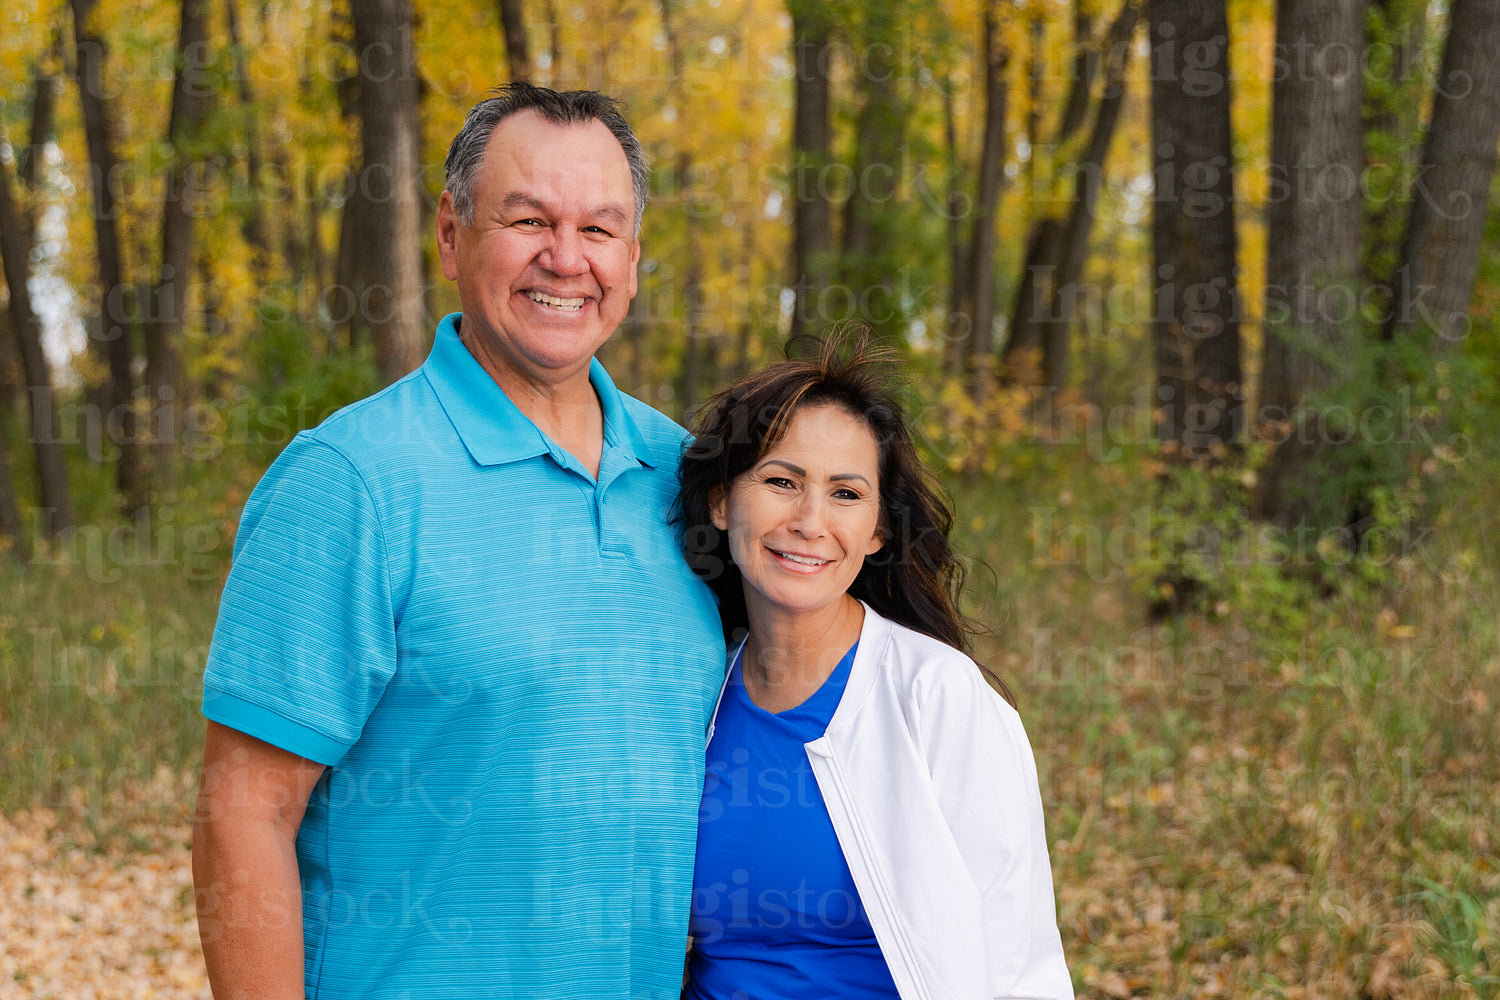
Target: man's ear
635, 263
718, 511
447, 236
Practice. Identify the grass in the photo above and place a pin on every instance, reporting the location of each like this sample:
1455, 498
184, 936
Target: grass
1270, 799
1242, 809
102, 643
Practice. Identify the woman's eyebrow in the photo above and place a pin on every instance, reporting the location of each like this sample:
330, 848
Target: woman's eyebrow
797, 470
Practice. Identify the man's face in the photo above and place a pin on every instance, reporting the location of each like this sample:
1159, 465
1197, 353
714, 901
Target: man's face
546, 270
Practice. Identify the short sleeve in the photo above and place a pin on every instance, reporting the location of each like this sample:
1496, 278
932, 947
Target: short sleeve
305, 641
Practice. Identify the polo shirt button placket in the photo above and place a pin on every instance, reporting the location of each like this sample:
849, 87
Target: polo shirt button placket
613, 544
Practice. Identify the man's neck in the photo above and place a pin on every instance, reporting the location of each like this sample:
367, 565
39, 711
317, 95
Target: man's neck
565, 408
569, 413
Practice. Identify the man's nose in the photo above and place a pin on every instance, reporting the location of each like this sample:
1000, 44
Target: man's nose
565, 253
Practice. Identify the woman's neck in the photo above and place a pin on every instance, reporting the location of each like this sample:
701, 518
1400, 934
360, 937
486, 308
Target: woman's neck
787, 657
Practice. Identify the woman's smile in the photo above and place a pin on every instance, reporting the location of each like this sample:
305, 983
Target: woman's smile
803, 518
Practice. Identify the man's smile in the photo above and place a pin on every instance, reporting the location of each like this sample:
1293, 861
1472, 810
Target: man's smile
553, 301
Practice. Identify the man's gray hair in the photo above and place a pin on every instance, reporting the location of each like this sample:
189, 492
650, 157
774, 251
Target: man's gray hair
569, 107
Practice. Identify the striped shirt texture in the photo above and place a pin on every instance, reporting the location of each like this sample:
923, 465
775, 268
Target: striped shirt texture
508, 669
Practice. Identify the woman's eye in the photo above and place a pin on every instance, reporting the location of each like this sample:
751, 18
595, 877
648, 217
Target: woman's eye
845, 494
779, 481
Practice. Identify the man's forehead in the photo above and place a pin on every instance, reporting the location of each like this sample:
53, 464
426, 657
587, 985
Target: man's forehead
530, 132
583, 153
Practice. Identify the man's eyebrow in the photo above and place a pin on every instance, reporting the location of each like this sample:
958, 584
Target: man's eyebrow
609, 211
517, 199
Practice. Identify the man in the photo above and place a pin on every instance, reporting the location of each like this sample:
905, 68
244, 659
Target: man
459, 686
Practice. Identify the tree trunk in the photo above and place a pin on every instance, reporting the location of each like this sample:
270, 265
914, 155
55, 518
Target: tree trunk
44, 100
12, 381
554, 45
874, 226
1440, 253
12, 535
1395, 38
391, 139
167, 319
1312, 262
254, 226
744, 272
1057, 251
878, 134
694, 343
1021, 359
1020, 362
114, 322
18, 236
694, 346
315, 269
981, 260
1036, 56
349, 295
56, 514
957, 333
1088, 182
812, 139
10, 512
1085, 66
1195, 332
517, 53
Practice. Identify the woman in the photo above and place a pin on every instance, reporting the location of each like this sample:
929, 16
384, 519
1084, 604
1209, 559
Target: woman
871, 825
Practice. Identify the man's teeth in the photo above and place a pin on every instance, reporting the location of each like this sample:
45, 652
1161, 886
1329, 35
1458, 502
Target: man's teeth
554, 302
802, 560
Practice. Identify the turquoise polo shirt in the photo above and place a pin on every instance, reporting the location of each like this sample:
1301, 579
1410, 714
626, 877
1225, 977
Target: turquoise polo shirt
509, 671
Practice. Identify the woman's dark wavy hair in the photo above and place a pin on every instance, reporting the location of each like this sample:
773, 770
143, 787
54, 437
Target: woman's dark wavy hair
915, 577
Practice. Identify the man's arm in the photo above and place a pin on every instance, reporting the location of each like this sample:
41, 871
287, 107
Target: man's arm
250, 805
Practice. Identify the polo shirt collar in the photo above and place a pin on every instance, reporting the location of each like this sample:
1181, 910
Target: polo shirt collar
495, 431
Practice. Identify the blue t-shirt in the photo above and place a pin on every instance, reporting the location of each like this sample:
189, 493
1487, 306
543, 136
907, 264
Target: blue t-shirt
776, 915
509, 670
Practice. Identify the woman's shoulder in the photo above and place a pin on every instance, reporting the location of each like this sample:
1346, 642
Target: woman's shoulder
919, 649
926, 668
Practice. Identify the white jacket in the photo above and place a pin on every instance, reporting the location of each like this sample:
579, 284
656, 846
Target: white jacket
932, 789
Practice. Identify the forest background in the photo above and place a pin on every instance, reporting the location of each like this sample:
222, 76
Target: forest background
1198, 303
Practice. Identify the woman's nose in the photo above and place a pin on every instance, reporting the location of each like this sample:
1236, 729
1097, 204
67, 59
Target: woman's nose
810, 515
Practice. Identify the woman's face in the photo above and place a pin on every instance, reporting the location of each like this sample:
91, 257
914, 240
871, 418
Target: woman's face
803, 518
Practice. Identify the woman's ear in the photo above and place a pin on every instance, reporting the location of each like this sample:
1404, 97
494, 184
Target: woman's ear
718, 508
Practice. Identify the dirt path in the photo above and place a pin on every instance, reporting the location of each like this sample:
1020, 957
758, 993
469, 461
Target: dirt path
79, 925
